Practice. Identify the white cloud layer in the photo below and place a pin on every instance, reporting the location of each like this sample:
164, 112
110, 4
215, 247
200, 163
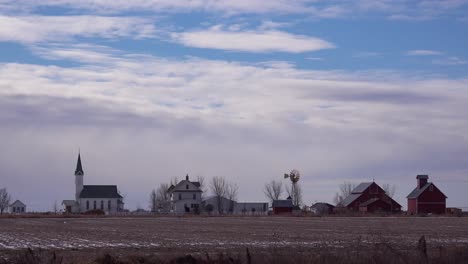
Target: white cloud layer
247, 122
250, 41
30, 29
424, 53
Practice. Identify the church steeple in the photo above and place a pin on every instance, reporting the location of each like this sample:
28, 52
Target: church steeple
79, 168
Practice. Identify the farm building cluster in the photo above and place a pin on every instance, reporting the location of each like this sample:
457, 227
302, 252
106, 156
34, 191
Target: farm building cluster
187, 197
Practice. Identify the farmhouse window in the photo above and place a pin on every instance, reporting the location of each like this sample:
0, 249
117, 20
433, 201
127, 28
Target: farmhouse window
87, 205
108, 205
180, 196
186, 186
95, 207
194, 196
102, 205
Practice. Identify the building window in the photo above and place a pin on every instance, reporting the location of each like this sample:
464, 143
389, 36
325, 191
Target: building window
95, 207
180, 196
108, 205
194, 196
87, 205
102, 205
186, 186
22, 209
431, 188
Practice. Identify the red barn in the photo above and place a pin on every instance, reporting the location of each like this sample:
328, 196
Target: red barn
426, 198
369, 197
283, 206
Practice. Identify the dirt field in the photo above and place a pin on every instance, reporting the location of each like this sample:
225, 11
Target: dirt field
211, 234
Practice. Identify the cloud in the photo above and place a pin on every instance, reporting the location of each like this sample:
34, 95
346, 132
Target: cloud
119, 6
155, 118
424, 53
450, 61
32, 29
250, 41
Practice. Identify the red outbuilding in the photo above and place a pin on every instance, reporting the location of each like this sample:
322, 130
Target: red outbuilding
368, 197
426, 198
283, 206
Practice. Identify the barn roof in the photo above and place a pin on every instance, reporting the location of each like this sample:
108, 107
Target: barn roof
100, 191
351, 198
361, 187
282, 203
418, 191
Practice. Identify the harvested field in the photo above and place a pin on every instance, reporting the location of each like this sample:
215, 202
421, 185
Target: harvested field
183, 235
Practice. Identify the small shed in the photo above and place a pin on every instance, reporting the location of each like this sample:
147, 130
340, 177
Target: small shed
17, 207
322, 208
283, 206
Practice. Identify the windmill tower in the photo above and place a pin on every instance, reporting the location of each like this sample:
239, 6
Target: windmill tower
294, 176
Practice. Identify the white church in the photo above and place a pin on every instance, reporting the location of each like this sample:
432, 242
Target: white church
93, 197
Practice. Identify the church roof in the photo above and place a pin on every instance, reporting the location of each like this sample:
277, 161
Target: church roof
100, 191
79, 168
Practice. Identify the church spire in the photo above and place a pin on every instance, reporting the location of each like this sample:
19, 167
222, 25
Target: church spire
79, 168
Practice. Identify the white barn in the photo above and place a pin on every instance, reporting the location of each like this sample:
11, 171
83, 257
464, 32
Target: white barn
17, 207
185, 197
93, 197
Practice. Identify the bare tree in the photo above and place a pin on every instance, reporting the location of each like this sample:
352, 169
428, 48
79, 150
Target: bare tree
153, 201
163, 197
231, 193
203, 187
174, 181
389, 189
346, 189
4, 200
219, 188
273, 190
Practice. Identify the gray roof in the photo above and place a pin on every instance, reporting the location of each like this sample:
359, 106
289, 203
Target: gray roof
351, 198
416, 192
69, 202
362, 187
18, 203
317, 205
100, 191
283, 203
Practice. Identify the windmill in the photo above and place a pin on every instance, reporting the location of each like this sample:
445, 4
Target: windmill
294, 176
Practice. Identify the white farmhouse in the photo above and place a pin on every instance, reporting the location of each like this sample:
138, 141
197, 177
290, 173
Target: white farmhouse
93, 197
17, 207
185, 197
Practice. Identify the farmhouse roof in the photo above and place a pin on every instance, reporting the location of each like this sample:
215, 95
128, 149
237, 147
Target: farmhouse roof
18, 203
100, 191
178, 187
361, 187
79, 168
418, 191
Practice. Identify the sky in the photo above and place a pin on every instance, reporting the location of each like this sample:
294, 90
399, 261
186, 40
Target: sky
150, 90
